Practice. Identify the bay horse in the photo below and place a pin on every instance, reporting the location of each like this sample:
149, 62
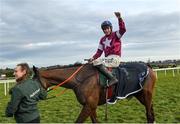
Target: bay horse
88, 90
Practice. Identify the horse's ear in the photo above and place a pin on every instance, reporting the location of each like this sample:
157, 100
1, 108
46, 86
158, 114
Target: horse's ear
35, 75
34, 69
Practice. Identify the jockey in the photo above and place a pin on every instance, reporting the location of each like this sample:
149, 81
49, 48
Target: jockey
110, 44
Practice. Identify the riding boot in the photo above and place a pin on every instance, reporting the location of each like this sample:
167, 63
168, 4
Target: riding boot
105, 72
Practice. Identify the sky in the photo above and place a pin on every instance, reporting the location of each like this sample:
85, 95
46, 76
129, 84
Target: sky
55, 32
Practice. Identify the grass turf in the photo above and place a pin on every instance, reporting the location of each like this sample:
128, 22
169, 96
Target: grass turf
65, 108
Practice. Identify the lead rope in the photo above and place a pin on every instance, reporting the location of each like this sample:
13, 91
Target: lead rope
55, 87
62, 92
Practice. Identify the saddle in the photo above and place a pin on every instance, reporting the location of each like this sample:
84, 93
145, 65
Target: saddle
131, 77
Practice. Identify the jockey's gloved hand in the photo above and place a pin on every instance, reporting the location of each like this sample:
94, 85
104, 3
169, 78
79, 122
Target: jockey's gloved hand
118, 14
90, 60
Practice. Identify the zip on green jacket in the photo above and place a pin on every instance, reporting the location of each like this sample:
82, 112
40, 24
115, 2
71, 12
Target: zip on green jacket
24, 98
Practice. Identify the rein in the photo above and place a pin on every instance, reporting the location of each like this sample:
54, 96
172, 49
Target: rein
55, 87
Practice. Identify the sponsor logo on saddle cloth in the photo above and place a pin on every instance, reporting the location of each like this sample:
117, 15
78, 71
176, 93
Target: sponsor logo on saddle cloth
110, 61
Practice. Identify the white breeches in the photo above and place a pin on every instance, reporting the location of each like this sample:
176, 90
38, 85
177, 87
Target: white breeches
109, 61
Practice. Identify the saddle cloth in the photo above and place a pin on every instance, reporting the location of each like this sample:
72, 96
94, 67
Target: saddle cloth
131, 78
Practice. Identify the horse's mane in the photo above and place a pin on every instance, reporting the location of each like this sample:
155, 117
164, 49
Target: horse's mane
61, 66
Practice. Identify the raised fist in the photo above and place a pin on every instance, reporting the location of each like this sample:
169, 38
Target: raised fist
118, 14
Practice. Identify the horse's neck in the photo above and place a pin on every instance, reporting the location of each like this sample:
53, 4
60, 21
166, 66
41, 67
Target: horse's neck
58, 76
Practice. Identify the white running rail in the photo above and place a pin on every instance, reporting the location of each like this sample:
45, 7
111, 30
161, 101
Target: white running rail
166, 69
6, 84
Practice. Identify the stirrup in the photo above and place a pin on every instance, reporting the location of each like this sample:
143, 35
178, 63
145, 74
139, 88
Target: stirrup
113, 100
112, 82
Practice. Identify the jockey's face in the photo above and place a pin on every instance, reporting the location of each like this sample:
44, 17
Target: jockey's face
19, 73
107, 30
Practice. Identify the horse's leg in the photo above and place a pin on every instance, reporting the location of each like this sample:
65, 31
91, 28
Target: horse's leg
93, 101
146, 99
85, 113
149, 107
94, 116
91, 91
148, 93
152, 112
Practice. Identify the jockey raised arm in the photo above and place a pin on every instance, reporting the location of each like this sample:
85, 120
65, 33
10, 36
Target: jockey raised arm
110, 44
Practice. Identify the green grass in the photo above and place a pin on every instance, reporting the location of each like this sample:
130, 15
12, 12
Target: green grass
65, 108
